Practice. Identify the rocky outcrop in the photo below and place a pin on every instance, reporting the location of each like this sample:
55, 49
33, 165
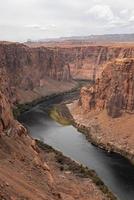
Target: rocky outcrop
114, 91
6, 117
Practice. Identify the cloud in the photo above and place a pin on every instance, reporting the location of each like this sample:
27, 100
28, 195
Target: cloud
124, 12
110, 19
101, 12
131, 19
33, 26
40, 27
37, 19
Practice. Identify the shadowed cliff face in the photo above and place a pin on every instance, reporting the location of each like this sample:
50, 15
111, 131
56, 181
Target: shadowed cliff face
6, 117
27, 68
87, 62
114, 91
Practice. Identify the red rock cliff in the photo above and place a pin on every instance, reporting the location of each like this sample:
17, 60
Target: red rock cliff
25, 68
114, 91
87, 62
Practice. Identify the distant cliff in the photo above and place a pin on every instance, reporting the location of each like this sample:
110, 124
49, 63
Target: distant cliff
88, 61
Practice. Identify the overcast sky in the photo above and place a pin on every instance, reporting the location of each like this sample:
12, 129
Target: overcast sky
38, 19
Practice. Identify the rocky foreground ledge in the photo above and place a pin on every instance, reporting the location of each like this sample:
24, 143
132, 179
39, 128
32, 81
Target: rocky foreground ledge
31, 170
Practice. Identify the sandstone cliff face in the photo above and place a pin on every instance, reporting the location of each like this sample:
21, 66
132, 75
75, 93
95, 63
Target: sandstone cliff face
24, 68
114, 91
6, 117
87, 62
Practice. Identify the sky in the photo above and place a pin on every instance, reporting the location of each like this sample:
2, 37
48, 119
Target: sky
39, 19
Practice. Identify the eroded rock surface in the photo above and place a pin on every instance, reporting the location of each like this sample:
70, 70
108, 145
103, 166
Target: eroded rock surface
114, 91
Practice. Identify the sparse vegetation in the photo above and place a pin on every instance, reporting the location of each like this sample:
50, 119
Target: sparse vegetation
60, 115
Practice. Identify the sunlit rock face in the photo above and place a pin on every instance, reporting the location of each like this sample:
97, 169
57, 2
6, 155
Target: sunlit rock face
113, 91
26, 67
87, 62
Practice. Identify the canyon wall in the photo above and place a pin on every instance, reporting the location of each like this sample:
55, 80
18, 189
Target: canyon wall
105, 110
24, 69
27, 71
88, 61
113, 91
21, 70
28, 171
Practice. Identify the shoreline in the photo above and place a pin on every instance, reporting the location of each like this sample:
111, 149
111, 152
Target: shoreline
78, 169
64, 113
110, 148
84, 129
20, 108
75, 167
93, 138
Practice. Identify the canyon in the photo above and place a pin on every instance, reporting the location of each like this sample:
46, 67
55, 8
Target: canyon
28, 73
106, 109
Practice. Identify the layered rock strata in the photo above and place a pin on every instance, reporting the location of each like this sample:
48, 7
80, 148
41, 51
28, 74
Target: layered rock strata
114, 91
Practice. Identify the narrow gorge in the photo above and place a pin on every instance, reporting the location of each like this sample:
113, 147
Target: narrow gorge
104, 112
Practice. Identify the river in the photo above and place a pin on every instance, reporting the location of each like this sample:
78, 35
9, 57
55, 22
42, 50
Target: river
114, 170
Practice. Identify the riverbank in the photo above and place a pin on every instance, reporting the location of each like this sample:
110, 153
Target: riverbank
69, 166
73, 87
31, 170
105, 132
20, 108
99, 191
114, 170
92, 127
84, 183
